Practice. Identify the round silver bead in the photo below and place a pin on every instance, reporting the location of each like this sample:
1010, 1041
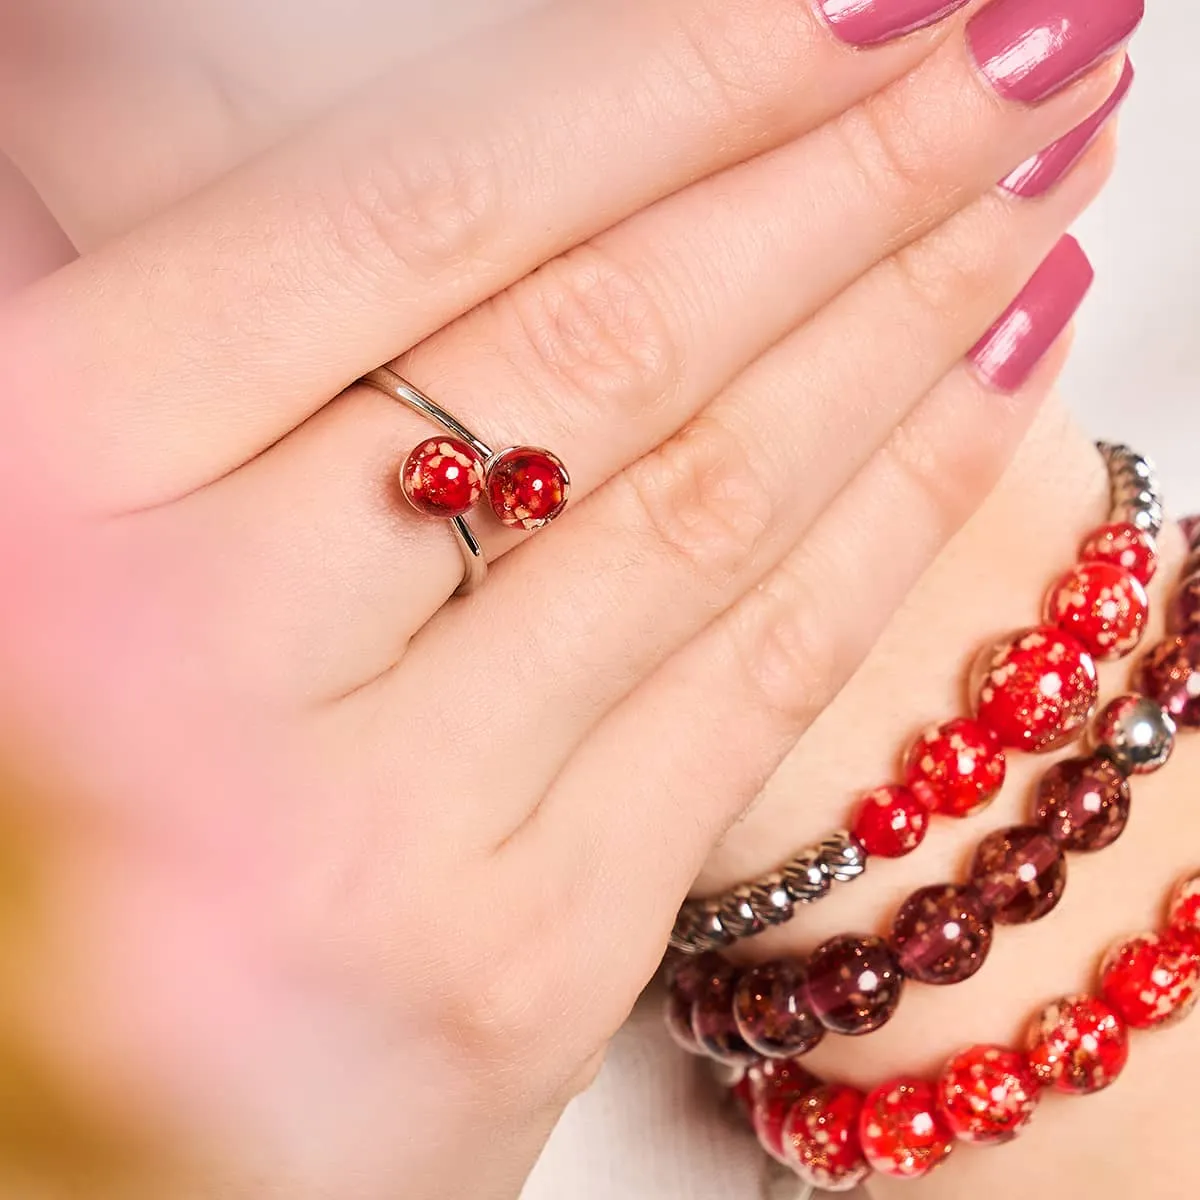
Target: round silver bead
1149, 517
709, 930
843, 856
806, 878
1136, 733
737, 915
771, 902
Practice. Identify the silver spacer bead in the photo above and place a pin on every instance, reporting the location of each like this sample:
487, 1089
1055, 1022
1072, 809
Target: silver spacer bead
737, 915
1136, 733
806, 878
771, 902
1150, 517
843, 856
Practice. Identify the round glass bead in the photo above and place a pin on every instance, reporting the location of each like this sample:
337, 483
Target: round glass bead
1136, 733
1171, 675
1184, 913
442, 477
1191, 531
942, 934
821, 1138
854, 984
1038, 690
1020, 872
1103, 607
1083, 803
891, 822
770, 1009
713, 1025
687, 979
902, 1131
1077, 1045
1183, 612
988, 1094
1152, 980
957, 768
527, 488
1123, 545
774, 1087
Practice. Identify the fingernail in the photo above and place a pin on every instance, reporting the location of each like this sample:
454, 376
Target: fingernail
870, 22
1008, 353
1037, 175
1030, 49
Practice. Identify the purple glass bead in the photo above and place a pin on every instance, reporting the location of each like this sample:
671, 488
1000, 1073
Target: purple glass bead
942, 934
1020, 873
713, 1025
686, 981
770, 1009
1083, 803
1171, 675
1183, 612
1191, 531
854, 984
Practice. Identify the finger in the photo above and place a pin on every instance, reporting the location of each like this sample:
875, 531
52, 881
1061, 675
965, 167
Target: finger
681, 536
601, 355
358, 240
31, 242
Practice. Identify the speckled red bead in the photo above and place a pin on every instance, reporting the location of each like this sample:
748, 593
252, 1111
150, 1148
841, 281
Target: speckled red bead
773, 1088
891, 822
686, 981
1123, 545
713, 1025
1152, 980
1021, 874
1077, 1045
902, 1130
1083, 803
442, 477
1184, 912
1183, 612
988, 1094
1103, 607
821, 1138
1171, 675
942, 934
527, 488
770, 1009
854, 984
1038, 690
957, 768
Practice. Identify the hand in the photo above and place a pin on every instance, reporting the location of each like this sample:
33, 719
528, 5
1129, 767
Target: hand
329, 857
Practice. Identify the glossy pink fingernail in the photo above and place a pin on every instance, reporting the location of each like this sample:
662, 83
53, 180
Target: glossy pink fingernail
870, 22
1008, 353
1037, 175
1030, 49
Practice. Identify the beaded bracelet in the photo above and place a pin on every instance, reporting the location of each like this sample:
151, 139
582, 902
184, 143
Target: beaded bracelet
1097, 611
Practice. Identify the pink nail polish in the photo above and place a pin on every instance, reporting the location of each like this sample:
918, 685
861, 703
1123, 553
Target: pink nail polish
1008, 353
1037, 175
1030, 49
870, 22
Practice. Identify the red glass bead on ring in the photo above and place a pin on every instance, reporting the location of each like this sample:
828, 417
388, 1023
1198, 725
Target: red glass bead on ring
1083, 803
1077, 1045
902, 1130
713, 1025
1152, 980
1103, 607
988, 1094
770, 1009
442, 477
527, 487
774, 1088
1183, 613
957, 768
854, 984
1184, 913
821, 1138
891, 822
1038, 690
1123, 545
686, 982
942, 934
1171, 675
1021, 874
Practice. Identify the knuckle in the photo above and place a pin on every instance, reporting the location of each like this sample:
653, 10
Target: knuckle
947, 273
701, 502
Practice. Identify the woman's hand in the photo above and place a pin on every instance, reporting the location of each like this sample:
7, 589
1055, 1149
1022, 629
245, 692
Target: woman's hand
338, 887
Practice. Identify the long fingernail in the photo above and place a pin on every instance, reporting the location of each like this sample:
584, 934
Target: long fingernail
870, 22
1037, 175
1008, 353
1030, 49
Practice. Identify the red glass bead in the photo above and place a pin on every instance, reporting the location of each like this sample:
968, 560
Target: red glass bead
1077, 1045
770, 1008
713, 1025
442, 477
1039, 690
957, 768
1102, 607
1021, 873
942, 934
891, 822
1123, 545
1152, 980
775, 1086
1183, 612
684, 984
902, 1131
1083, 803
854, 984
988, 1094
527, 488
821, 1139
1171, 675
1184, 913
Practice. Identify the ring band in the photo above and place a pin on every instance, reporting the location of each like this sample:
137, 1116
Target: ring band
526, 487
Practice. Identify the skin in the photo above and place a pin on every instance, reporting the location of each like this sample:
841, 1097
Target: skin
231, 686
